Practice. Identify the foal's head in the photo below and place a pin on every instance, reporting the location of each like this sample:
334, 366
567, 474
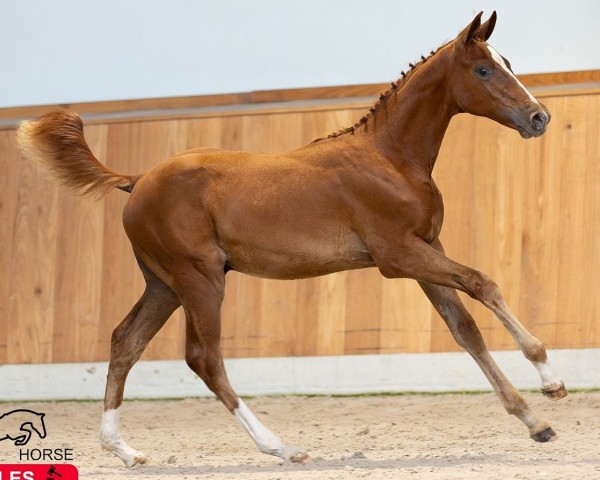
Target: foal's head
482, 83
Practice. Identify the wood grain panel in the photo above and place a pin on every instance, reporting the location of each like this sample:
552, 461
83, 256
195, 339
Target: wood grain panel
362, 330
30, 263
8, 208
306, 318
525, 212
79, 256
589, 241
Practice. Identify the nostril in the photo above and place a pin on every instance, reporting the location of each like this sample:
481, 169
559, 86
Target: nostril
539, 121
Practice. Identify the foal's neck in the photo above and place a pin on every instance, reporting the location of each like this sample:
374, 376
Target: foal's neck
410, 128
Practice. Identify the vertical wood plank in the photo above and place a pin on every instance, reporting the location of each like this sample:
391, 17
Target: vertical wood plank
363, 312
79, 268
572, 261
8, 211
277, 314
541, 212
588, 290
407, 318
306, 325
332, 314
508, 225
243, 312
31, 266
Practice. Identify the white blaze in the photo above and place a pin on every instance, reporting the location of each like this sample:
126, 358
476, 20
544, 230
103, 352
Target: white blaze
502, 64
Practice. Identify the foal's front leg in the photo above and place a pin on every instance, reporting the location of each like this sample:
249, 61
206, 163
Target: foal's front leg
427, 263
467, 335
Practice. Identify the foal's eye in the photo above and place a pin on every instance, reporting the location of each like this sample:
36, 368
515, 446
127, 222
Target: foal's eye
483, 72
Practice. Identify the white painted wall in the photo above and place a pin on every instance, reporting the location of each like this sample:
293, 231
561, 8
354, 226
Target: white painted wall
326, 375
64, 51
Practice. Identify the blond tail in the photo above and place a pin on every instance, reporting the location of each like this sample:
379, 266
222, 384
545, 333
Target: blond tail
55, 142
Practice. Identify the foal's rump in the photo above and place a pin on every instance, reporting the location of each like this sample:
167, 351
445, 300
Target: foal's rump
269, 215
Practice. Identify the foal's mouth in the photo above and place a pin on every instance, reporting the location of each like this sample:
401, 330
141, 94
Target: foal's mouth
525, 134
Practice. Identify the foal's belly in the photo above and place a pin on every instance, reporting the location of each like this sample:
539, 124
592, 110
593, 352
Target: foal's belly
296, 256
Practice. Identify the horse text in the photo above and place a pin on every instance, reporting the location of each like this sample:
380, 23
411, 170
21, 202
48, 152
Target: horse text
45, 454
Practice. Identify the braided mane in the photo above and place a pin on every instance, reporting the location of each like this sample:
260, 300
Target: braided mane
383, 97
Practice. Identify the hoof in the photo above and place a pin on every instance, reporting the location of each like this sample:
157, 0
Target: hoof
301, 458
292, 454
544, 436
137, 459
141, 460
555, 392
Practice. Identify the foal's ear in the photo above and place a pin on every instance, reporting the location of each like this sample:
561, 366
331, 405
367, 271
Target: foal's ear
469, 33
486, 29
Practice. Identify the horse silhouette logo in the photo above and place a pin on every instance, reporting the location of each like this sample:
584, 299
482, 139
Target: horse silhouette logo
20, 424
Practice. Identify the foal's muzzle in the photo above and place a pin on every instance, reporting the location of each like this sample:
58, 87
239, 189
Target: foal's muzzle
535, 125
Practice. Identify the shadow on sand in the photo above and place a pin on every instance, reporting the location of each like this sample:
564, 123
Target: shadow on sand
357, 461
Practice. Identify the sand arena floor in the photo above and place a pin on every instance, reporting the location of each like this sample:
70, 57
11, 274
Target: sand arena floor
376, 437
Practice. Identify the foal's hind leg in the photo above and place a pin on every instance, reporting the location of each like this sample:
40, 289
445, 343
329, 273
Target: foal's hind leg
202, 298
467, 335
128, 342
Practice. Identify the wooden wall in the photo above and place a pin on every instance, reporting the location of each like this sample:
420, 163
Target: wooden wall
525, 212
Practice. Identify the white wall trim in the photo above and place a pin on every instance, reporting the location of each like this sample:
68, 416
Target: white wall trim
348, 374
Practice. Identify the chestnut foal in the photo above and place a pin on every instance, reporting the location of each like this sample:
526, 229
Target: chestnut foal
361, 197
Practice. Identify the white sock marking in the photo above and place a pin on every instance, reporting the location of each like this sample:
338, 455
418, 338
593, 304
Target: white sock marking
265, 439
548, 375
110, 439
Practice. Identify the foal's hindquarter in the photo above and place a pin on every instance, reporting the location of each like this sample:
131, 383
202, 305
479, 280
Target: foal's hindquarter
363, 197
